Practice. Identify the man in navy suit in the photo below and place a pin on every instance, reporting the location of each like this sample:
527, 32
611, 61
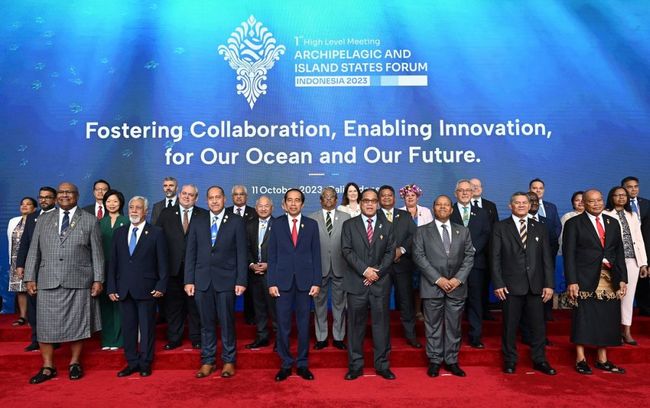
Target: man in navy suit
641, 208
215, 272
294, 277
136, 277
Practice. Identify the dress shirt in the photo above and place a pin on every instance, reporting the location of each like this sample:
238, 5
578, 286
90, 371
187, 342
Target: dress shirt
166, 200
189, 214
299, 217
516, 220
592, 218
219, 218
374, 222
480, 201
439, 225
242, 209
70, 214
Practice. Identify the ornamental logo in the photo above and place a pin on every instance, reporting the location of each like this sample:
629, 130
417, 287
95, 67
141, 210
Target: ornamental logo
251, 51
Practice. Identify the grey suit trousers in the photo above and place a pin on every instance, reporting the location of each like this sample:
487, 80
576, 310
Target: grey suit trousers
443, 339
330, 284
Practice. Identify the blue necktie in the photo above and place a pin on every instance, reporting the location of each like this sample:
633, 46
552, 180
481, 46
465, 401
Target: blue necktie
635, 209
213, 230
65, 224
133, 241
541, 212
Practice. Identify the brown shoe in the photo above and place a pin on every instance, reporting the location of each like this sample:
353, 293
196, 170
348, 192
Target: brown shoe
205, 370
228, 370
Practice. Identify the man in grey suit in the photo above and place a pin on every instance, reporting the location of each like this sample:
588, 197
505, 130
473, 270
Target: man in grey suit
369, 248
334, 268
444, 253
65, 264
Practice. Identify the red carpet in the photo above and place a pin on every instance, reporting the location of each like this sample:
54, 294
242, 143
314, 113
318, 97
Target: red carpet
173, 383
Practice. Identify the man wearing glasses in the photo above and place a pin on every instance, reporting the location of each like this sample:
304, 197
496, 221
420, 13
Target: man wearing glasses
100, 187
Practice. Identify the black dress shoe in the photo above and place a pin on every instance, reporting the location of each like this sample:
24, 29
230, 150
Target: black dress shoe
413, 343
339, 344
455, 370
171, 346
434, 370
42, 376
145, 372
386, 374
583, 368
476, 345
283, 374
353, 374
32, 347
75, 372
257, 344
304, 373
319, 345
127, 371
544, 367
509, 368
196, 345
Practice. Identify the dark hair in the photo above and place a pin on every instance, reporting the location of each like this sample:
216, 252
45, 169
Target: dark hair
519, 193
207, 192
302, 195
532, 196
30, 199
628, 178
101, 181
345, 200
530, 185
387, 187
49, 189
120, 198
574, 195
610, 199
366, 190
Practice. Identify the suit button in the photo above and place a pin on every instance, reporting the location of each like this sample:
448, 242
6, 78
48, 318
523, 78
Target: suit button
61, 259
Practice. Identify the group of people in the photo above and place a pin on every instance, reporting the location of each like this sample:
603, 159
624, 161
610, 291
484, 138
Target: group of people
92, 268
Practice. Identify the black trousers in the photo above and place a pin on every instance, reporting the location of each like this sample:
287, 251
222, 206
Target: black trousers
138, 315
179, 306
403, 283
529, 308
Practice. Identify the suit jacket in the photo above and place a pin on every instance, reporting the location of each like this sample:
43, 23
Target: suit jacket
583, 254
480, 229
249, 213
224, 264
644, 208
491, 209
252, 233
91, 209
360, 254
553, 225
430, 256
403, 231
158, 208
637, 237
170, 222
143, 271
518, 269
302, 262
330, 245
73, 261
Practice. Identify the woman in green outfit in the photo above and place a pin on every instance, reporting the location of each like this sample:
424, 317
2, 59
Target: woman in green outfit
110, 311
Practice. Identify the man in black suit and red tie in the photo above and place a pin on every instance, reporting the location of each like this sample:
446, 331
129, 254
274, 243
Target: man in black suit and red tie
136, 277
175, 222
522, 273
368, 247
596, 277
294, 277
216, 272
100, 187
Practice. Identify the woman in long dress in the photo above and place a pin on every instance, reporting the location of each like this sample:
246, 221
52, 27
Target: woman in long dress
15, 230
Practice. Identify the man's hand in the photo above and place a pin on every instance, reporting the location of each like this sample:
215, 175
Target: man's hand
643, 272
260, 268
31, 287
573, 290
189, 289
547, 294
114, 297
96, 289
239, 290
454, 284
444, 284
314, 290
20, 272
623, 290
274, 291
501, 293
398, 254
371, 274
155, 293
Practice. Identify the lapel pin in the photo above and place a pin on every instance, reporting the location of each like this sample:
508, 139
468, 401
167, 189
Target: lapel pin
536, 238
457, 232
176, 212
379, 225
302, 225
381, 237
146, 232
472, 214
608, 221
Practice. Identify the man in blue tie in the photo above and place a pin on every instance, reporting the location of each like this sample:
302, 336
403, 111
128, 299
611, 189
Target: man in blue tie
215, 272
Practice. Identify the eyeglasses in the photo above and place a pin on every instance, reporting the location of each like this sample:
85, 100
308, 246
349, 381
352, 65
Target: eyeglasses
464, 190
369, 201
66, 192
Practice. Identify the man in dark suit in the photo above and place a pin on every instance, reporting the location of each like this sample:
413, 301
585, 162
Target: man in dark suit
175, 222
215, 272
478, 222
444, 253
170, 186
641, 207
368, 246
258, 231
596, 277
401, 270
239, 207
136, 277
46, 199
100, 187
294, 277
522, 273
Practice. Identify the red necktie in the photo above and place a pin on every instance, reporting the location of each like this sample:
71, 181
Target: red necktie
294, 233
601, 231
100, 213
369, 230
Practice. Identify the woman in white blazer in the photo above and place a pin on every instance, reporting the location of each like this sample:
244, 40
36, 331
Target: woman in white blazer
636, 260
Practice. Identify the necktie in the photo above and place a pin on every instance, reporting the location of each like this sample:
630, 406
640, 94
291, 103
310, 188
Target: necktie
635, 209
446, 240
260, 239
465, 215
100, 213
522, 232
389, 216
541, 211
239, 212
601, 231
213, 230
369, 230
475, 203
65, 223
169, 203
133, 241
186, 221
328, 223
294, 232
